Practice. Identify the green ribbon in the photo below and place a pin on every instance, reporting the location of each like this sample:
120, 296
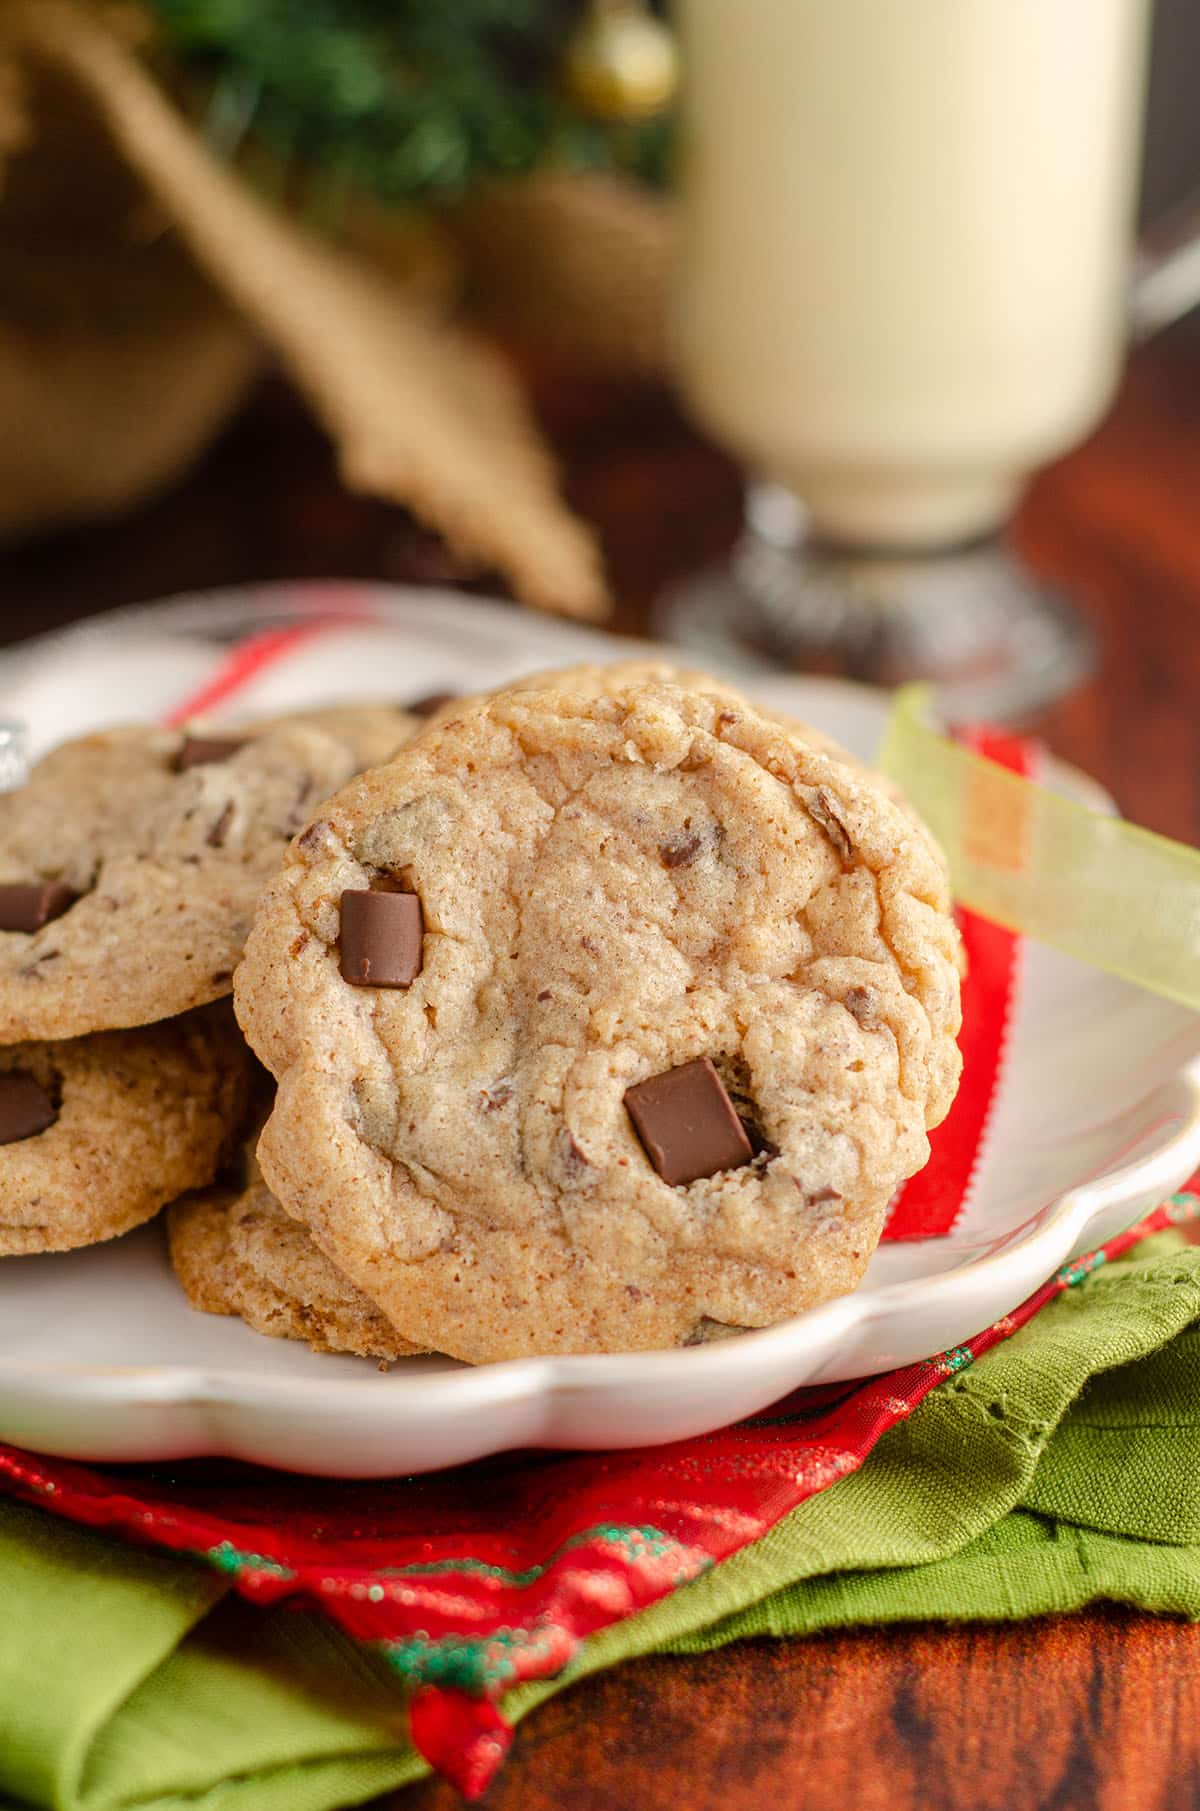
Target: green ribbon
1098, 888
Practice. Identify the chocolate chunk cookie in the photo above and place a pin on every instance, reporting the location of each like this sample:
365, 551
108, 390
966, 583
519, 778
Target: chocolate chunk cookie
130, 861
98, 1133
611, 890
373, 729
235, 1251
599, 680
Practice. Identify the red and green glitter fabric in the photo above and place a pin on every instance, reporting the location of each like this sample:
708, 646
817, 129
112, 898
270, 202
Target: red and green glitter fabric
470, 1581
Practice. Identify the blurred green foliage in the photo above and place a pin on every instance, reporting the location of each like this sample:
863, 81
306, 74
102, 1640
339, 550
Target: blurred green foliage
410, 101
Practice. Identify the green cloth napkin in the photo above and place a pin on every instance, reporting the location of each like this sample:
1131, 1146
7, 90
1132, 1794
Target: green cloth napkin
1059, 1469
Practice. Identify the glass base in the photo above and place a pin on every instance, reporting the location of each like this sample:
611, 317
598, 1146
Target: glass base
971, 621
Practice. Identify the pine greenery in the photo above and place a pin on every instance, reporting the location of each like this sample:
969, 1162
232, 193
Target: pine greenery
412, 101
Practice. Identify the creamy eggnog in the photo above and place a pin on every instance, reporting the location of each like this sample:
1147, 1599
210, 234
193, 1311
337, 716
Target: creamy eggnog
906, 233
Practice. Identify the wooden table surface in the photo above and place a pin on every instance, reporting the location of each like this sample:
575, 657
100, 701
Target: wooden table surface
1099, 1712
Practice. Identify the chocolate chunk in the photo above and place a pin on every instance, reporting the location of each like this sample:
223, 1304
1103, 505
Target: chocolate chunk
824, 808
679, 851
205, 751
380, 938
27, 906
220, 830
687, 1124
735, 1075
25, 1107
430, 703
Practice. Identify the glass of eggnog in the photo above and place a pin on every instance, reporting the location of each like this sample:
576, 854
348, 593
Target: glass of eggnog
904, 285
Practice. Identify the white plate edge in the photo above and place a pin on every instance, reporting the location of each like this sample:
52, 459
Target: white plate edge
514, 1380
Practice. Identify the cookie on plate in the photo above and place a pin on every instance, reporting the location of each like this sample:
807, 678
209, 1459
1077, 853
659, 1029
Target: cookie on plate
373, 729
606, 679
599, 1019
235, 1251
592, 679
130, 862
98, 1133
600, 681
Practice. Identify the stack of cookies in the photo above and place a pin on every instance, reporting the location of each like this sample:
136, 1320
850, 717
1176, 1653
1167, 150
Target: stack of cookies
607, 1013
130, 865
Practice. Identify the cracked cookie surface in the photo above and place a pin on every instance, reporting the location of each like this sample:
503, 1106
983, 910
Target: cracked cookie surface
134, 1118
600, 679
160, 862
606, 679
612, 887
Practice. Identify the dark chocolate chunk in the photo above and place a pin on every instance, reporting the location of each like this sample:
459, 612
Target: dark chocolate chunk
220, 830
679, 850
25, 1107
735, 1074
824, 808
381, 937
27, 906
687, 1124
204, 751
431, 702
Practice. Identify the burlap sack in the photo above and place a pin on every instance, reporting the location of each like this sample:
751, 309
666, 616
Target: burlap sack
118, 359
142, 283
579, 264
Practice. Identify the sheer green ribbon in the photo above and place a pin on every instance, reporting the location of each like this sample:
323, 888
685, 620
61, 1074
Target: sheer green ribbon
1113, 895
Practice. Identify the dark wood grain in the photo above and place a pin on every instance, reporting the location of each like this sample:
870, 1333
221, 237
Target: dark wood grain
1094, 1713
1118, 524
1090, 1713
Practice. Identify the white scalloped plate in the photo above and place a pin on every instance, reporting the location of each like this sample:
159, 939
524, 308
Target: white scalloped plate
101, 1359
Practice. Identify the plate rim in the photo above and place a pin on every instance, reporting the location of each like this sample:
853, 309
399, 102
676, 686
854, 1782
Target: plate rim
202, 1391
1060, 1227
